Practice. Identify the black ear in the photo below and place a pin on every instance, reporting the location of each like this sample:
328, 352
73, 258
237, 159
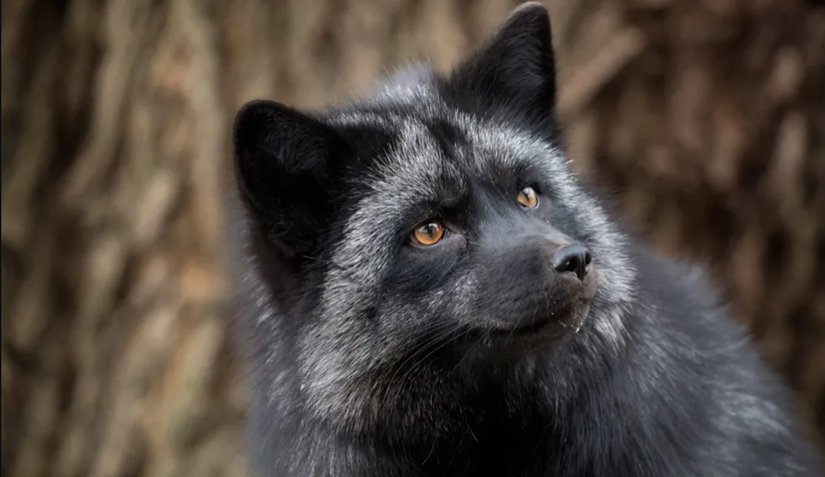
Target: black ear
283, 165
515, 70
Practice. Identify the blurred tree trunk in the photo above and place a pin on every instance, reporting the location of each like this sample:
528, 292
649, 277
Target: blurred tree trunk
706, 118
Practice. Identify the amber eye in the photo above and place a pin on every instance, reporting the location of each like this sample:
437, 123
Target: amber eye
528, 198
428, 233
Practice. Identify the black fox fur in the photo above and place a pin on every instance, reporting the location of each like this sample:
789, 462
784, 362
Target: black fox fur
525, 334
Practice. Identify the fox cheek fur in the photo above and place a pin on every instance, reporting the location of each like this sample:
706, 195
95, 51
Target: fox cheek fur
530, 338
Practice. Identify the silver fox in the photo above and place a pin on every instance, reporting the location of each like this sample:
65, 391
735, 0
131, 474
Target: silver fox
427, 289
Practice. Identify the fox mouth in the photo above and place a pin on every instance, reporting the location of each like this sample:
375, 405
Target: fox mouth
522, 330
554, 324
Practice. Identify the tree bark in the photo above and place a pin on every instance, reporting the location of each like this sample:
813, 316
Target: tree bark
706, 117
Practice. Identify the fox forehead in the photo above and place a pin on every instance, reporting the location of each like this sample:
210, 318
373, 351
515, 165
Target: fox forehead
430, 149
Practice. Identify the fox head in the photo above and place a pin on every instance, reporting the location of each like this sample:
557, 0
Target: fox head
429, 237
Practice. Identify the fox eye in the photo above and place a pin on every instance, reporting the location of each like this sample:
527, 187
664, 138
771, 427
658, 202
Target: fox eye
528, 198
428, 233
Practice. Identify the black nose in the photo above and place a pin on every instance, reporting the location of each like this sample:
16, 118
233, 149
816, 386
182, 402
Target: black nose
572, 258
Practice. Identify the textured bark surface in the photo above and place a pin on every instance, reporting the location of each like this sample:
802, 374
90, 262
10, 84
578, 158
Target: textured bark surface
705, 117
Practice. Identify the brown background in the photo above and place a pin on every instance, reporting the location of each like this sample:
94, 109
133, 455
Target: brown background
705, 117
